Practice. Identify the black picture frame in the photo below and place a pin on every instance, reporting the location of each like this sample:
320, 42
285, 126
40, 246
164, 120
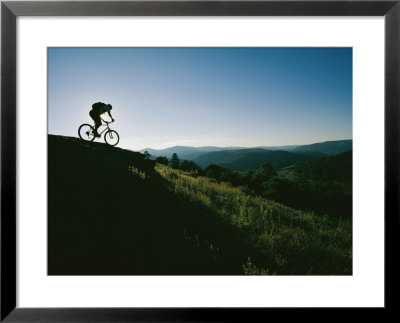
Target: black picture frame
10, 10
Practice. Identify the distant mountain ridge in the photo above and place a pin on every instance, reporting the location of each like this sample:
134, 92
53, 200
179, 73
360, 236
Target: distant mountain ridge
242, 158
252, 159
184, 152
189, 150
328, 147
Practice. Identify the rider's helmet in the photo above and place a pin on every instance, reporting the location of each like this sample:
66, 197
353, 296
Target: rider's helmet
110, 106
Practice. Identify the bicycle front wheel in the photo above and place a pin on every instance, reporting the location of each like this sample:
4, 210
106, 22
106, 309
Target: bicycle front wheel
111, 137
85, 132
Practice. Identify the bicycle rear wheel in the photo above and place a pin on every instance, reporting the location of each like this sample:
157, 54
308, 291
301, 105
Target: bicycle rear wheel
85, 132
111, 137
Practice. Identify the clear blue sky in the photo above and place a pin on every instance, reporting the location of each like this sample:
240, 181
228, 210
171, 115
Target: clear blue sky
163, 97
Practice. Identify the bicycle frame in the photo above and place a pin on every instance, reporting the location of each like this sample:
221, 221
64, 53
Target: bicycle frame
107, 127
106, 124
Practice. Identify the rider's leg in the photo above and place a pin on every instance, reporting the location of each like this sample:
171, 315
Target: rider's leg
97, 122
96, 126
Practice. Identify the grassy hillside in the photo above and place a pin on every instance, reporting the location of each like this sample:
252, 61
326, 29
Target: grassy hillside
112, 212
109, 213
291, 241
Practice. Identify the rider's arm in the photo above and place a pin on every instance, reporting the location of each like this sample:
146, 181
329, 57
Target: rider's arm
109, 113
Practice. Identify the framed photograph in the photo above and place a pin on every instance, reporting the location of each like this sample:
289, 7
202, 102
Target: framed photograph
197, 160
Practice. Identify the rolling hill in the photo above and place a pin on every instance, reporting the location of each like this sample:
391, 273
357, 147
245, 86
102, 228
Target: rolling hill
287, 148
327, 147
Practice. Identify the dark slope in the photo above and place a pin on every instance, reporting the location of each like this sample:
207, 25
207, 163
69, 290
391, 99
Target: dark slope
328, 147
252, 158
105, 217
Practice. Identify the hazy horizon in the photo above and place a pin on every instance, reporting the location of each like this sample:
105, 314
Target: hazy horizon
221, 97
241, 146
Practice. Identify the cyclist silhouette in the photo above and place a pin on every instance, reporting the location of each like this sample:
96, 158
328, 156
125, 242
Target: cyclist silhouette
98, 109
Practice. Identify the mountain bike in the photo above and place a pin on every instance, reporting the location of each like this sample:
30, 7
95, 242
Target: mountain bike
111, 137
